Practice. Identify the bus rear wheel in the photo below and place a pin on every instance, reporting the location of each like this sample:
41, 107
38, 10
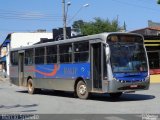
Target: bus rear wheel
81, 90
31, 89
115, 95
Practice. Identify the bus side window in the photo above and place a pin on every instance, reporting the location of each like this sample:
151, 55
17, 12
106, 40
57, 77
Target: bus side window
65, 53
29, 57
39, 55
81, 51
14, 58
51, 54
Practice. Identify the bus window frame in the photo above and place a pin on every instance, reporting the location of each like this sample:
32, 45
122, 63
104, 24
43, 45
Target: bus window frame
33, 54
54, 54
81, 51
65, 53
13, 63
38, 56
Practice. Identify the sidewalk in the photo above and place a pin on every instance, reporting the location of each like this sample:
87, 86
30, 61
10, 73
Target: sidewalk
2, 78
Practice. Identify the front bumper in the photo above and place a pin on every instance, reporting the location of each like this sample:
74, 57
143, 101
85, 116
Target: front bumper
116, 86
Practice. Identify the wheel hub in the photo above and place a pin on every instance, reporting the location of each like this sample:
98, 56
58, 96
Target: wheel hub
82, 89
30, 86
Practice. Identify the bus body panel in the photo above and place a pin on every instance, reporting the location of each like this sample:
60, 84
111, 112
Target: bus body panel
60, 76
28, 73
14, 75
63, 71
54, 84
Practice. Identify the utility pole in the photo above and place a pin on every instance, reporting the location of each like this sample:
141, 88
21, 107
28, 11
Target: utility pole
64, 18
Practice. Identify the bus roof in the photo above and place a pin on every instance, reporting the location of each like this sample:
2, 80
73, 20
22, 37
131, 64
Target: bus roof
101, 36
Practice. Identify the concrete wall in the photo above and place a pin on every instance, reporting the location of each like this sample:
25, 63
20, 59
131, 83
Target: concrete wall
25, 39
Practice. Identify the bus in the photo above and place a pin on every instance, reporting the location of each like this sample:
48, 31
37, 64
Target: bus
113, 63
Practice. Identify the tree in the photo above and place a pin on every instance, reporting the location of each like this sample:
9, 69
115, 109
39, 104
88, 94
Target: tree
77, 25
124, 26
97, 26
158, 1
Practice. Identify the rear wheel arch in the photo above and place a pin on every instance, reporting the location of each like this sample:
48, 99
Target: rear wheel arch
29, 77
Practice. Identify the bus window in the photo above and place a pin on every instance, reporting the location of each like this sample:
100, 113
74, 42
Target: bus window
65, 52
51, 54
29, 57
81, 52
14, 58
39, 55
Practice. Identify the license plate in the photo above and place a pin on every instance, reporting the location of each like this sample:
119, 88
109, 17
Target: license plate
134, 86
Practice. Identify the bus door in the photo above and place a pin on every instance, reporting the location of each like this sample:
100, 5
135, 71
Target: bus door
96, 66
21, 68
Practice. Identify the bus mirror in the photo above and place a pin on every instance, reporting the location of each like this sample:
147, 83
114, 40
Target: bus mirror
107, 51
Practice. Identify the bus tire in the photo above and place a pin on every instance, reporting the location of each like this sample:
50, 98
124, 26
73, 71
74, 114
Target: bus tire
81, 90
115, 95
31, 89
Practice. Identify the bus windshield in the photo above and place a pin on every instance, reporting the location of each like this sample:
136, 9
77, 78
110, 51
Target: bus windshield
128, 57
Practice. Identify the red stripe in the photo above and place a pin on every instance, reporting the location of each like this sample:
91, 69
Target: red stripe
55, 69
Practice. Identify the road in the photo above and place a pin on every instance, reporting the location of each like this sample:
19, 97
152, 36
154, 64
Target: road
16, 100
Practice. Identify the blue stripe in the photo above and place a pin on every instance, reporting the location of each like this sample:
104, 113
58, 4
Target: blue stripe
65, 70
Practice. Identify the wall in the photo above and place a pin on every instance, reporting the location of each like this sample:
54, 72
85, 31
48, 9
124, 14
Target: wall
25, 39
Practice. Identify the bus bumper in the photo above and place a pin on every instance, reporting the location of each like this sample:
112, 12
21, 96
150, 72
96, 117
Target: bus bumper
115, 86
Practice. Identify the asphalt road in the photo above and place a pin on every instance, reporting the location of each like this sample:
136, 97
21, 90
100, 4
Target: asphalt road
15, 99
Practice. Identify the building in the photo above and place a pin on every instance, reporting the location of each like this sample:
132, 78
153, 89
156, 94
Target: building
152, 42
15, 40
148, 31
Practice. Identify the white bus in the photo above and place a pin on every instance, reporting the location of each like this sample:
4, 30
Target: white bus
112, 63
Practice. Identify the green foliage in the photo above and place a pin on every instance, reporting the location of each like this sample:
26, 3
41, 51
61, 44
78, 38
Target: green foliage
77, 25
97, 26
158, 1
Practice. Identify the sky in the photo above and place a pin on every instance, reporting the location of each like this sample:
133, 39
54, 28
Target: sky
30, 15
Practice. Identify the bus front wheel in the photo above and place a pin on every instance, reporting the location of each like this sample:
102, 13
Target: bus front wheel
31, 89
81, 90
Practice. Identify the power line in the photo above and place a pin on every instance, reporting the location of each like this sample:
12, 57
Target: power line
135, 5
17, 30
8, 17
28, 16
21, 13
